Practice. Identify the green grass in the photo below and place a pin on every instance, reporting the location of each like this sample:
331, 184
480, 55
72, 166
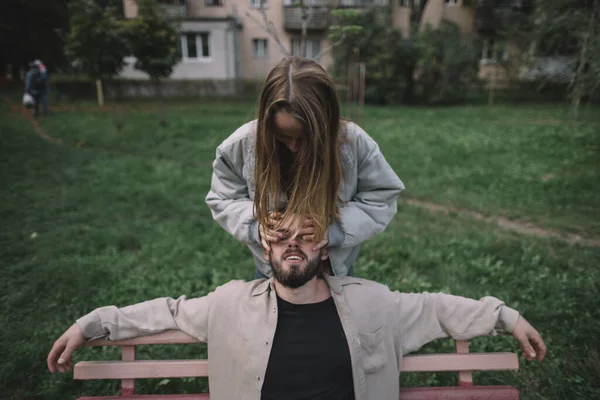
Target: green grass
122, 219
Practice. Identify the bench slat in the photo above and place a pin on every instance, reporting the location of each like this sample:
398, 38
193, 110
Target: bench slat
194, 368
140, 369
454, 393
460, 362
199, 396
461, 393
472, 393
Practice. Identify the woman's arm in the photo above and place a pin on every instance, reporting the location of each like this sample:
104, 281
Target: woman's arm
230, 203
371, 210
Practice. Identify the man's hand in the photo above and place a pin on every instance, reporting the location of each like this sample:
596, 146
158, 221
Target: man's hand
59, 358
531, 342
267, 234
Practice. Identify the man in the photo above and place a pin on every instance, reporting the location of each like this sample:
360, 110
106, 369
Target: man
303, 334
37, 85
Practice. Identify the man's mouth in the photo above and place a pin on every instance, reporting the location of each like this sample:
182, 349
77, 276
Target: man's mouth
293, 257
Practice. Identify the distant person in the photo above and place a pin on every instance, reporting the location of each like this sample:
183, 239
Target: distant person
304, 334
37, 85
300, 155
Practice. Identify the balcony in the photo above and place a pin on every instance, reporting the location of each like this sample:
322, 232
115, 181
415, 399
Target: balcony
363, 3
317, 15
174, 9
496, 16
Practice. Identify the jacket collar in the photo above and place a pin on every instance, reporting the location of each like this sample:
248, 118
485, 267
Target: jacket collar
263, 287
335, 284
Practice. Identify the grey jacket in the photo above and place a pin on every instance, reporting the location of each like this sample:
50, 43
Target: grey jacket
369, 190
238, 321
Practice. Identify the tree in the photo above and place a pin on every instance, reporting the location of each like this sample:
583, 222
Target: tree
96, 42
447, 64
379, 45
561, 41
440, 62
152, 41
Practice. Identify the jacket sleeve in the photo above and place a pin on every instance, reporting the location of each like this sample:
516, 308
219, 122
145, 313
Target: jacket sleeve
230, 203
190, 316
425, 317
375, 203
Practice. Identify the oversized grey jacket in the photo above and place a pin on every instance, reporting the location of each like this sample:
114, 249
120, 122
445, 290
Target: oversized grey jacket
238, 321
369, 192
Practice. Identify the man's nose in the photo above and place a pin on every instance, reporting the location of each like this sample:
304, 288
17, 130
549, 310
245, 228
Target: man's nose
293, 241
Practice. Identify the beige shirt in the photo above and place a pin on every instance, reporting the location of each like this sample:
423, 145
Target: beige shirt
238, 322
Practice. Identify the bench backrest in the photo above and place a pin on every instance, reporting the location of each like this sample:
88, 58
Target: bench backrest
128, 369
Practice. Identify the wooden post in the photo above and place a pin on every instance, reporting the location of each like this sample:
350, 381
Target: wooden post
127, 385
361, 91
465, 378
99, 92
352, 87
492, 85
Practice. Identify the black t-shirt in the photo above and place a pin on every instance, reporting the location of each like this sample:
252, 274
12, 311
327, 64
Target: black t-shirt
310, 358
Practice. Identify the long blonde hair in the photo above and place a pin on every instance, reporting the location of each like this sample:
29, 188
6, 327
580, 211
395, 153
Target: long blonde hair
302, 88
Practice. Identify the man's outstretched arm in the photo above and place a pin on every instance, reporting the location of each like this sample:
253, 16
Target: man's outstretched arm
143, 319
429, 316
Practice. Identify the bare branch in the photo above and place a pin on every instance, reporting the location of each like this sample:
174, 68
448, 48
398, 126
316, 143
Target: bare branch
333, 46
268, 27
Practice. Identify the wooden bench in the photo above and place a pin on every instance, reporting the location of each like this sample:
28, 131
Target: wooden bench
128, 370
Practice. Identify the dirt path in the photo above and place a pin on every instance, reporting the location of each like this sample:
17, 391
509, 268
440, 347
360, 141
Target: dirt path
28, 115
524, 228
16, 108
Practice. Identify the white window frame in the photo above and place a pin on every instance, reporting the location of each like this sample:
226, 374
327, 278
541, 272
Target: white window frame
495, 43
199, 46
255, 54
451, 3
257, 3
309, 46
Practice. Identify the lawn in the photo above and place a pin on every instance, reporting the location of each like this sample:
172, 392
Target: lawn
116, 215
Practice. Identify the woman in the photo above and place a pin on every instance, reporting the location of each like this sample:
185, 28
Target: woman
299, 155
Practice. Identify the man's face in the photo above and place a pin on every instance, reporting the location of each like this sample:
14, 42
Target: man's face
294, 262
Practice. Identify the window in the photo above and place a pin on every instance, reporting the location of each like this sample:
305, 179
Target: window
363, 3
313, 47
213, 2
257, 3
260, 48
196, 46
450, 2
308, 3
406, 3
493, 50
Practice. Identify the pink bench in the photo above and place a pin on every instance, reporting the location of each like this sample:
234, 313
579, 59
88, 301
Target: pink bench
128, 370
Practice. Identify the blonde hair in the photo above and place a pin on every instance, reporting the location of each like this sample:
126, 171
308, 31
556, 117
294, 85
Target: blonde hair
303, 89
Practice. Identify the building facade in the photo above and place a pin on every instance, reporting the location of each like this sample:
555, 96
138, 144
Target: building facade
228, 39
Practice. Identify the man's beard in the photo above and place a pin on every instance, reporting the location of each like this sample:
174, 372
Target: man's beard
297, 275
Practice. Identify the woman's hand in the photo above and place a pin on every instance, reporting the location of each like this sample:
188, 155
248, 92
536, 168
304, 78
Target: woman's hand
268, 234
307, 234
